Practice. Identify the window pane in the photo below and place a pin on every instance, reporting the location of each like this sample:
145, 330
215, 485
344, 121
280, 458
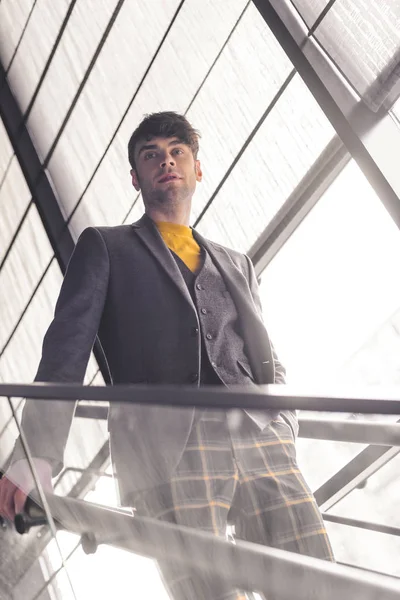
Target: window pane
27, 340
28, 258
67, 69
283, 150
35, 48
367, 549
245, 79
13, 17
189, 50
121, 65
6, 151
327, 293
333, 283
14, 200
362, 37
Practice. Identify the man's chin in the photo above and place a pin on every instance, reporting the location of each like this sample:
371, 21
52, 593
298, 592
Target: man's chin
171, 196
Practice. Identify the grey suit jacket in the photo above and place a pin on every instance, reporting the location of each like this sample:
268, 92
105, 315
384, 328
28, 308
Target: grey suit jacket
123, 285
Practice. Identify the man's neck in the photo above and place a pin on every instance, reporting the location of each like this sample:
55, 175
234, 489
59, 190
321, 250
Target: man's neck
177, 217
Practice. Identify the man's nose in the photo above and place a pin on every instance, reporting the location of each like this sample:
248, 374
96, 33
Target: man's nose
167, 161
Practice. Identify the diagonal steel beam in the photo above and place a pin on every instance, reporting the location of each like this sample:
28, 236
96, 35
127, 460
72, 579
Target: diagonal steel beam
352, 475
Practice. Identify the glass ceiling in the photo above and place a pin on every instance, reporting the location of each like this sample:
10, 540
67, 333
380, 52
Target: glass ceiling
84, 72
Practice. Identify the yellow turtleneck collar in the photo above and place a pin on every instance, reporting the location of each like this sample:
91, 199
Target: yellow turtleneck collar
179, 238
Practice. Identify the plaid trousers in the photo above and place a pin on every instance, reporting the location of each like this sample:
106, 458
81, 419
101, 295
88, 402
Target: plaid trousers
244, 474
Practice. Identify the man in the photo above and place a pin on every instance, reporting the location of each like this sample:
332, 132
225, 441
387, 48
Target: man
172, 307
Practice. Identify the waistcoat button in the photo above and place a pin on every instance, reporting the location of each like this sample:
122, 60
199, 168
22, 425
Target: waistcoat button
194, 377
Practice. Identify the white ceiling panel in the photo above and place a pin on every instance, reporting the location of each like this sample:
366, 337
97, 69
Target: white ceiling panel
14, 200
287, 144
179, 71
21, 358
35, 48
8, 427
27, 340
13, 17
29, 256
122, 63
136, 211
85, 27
6, 151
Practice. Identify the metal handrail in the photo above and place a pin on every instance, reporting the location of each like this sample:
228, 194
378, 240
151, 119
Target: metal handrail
382, 400
275, 572
360, 431
368, 525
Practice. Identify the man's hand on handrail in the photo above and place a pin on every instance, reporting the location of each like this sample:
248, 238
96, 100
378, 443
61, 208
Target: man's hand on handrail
18, 482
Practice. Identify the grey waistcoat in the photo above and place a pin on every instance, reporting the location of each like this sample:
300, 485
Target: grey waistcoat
223, 357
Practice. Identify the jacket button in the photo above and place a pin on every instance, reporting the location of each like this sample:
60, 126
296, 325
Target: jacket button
209, 336
199, 286
204, 311
194, 377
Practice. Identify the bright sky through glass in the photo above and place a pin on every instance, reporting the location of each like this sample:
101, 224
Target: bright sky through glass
334, 283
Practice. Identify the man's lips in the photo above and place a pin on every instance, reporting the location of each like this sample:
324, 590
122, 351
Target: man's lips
169, 177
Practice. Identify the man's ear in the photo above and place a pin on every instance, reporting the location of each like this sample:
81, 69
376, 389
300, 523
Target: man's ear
199, 172
135, 181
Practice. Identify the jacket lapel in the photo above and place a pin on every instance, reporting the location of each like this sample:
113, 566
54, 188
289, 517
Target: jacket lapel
150, 236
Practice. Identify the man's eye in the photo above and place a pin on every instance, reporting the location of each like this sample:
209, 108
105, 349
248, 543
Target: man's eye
177, 151
149, 155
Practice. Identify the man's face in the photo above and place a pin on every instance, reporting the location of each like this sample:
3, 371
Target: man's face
166, 172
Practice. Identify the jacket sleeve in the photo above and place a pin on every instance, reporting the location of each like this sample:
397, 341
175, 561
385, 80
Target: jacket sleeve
66, 348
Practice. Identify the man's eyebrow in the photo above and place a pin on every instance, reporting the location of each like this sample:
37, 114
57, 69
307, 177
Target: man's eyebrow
174, 142
148, 147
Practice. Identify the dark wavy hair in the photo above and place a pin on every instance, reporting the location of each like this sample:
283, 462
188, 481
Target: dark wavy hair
164, 124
